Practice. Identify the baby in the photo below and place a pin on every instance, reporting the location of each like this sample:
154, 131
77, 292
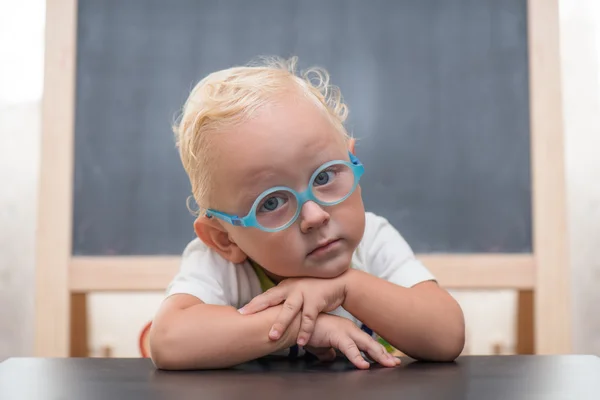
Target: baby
287, 261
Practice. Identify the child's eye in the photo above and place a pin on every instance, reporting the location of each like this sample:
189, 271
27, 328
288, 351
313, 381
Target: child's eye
271, 203
323, 178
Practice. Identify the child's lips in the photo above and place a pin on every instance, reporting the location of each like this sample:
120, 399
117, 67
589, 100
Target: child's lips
325, 247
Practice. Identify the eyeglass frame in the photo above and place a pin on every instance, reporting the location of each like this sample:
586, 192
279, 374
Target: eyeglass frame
250, 220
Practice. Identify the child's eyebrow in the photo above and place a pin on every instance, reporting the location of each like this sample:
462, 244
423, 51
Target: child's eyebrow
247, 198
252, 186
254, 183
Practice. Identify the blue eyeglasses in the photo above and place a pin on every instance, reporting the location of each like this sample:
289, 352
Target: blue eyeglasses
277, 208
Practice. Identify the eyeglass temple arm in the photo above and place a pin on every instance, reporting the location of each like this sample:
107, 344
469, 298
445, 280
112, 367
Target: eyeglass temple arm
353, 159
232, 219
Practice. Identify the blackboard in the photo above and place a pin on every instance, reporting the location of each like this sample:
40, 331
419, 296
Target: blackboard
437, 91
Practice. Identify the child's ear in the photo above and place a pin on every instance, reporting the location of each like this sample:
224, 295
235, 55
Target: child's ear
212, 233
351, 143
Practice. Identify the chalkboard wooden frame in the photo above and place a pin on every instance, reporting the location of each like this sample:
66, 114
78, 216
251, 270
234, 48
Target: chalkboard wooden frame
60, 275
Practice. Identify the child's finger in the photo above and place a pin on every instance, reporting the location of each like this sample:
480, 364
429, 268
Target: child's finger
270, 298
376, 351
291, 308
347, 346
310, 313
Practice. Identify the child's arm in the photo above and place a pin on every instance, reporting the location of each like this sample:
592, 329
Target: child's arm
188, 334
424, 321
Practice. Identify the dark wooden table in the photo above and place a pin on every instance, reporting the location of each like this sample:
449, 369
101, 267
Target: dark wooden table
477, 377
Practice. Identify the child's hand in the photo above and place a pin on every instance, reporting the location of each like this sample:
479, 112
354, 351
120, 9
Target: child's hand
322, 353
311, 296
332, 331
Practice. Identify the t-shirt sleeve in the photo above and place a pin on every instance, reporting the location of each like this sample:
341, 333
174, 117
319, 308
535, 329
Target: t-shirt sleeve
387, 255
205, 275
214, 280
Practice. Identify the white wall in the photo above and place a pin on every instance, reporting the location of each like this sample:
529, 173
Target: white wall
580, 41
21, 52
19, 127
490, 315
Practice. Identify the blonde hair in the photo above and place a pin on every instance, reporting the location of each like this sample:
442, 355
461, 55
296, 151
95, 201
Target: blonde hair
227, 97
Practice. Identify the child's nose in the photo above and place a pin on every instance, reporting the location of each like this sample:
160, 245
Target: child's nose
312, 216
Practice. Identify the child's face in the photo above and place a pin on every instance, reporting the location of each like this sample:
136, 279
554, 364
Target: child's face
283, 145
